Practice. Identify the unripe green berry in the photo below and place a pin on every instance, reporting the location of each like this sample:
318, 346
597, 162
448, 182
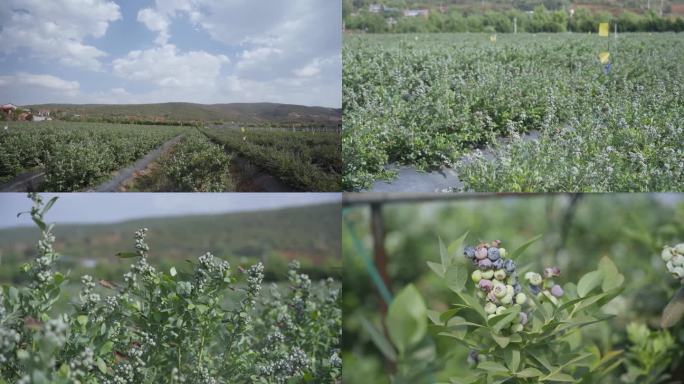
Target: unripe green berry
679, 248
500, 309
502, 252
520, 298
534, 278
666, 254
488, 274
509, 290
517, 328
677, 260
507, 299
499, 290
476, 276
490, 308
678, 272
500, 274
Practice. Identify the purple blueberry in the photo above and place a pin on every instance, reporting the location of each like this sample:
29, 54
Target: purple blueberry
535, 289
469, 253
517, 288
485, 285
493, 254
485, 264
551, 272
498, 264
509, 266
557, 290
523, 318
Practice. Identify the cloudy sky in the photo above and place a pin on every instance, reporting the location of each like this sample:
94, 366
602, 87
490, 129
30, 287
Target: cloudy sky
143, 51
115, 207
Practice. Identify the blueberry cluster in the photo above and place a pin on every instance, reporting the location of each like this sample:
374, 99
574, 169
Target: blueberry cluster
544, 286
674, 260
497, 280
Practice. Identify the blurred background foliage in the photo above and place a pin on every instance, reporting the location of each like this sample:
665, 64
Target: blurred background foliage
577, 231
309, 234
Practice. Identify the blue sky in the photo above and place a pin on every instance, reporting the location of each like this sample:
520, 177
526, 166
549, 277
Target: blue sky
115, 207
205, 51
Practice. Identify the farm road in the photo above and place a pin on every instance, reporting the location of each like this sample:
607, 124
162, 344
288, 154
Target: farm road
123, 175
409, 179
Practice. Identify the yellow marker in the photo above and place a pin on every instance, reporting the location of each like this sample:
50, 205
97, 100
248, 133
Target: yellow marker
603, 29
492, 38
604, 56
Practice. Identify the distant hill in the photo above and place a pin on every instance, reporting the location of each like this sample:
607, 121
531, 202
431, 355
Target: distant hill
670, 7
255, 113
310, 234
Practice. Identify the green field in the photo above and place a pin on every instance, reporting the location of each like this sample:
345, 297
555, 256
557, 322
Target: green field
304, 160
431, 100
76, 156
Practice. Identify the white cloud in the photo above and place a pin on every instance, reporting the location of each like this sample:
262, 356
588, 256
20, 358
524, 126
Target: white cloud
286, 48
155, 21
166, 67
41, 81
55, 29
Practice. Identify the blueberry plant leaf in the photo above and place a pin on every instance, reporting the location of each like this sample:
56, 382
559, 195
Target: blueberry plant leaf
674, 310
518, 251
589, 282
437, 268
126, 255
407, 319
444, 254
455, 246
456, 276
379, 340
612, 278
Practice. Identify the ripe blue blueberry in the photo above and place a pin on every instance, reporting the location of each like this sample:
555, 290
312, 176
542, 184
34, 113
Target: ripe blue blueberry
469, 253
509, 266
517, 288
498, 264
493, 254
535, 289
485, 264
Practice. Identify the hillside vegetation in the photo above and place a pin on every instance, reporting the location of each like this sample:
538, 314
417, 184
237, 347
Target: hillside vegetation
310, 233
245, 113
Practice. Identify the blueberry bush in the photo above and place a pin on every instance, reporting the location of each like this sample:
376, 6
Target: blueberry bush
433, 100
441, 325
206, 324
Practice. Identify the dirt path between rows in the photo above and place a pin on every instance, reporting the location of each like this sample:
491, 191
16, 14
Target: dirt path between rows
24, 182
409, 179
250, 178
124, 175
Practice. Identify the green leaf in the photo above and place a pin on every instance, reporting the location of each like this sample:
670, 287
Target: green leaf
82, 319
407, 319
611, 276
512, 357
502, 341
455, 246
379, 340
444, 254
560, 377
503, 320
529, 372
492, 366
513, 255
127, 255
101, 365
435, 317
106, 348
589, 282
49, 204
456, 276
59, 278
436, 268
674, 310
40, 223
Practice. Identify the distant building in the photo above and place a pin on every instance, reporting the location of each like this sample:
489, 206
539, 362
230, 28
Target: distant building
8, 109
416, 12
43, 112
375, 8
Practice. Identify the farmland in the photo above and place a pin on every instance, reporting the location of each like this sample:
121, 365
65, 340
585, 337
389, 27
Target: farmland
432, 101
305, 160
76, 156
